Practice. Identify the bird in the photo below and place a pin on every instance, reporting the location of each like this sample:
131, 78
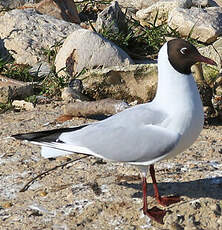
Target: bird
146, 133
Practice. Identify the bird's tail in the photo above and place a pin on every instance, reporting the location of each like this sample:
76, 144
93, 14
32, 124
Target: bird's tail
46, 138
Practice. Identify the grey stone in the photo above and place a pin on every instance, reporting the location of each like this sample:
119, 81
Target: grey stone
26, 33
87, 49
205, 23
41, 69
112, 18
11, 89
74, 91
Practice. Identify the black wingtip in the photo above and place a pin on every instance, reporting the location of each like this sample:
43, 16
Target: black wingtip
46, 136
24, 136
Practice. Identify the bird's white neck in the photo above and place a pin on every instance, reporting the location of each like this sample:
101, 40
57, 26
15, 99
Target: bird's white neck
175, 91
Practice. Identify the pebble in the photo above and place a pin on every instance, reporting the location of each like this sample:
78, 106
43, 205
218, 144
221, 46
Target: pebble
23, 105
196, 204
63, 159
43, 193
7, 205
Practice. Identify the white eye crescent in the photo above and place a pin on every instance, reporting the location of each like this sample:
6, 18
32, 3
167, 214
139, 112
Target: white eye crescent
183, 50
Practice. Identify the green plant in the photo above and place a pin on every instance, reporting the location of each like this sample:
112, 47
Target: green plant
32, 99
51, 52
52, 84
194, 41
2, 64
19, 72
210, 74
140, 41
12, 70
89, 9
5, 107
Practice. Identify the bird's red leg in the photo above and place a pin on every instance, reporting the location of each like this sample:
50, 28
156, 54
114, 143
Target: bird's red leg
165, 201
154, 213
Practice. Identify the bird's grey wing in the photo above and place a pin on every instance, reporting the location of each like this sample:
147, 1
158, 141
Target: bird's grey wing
143, 113
124, 138
134, 135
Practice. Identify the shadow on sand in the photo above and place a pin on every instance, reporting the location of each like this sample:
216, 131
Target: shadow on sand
210, 187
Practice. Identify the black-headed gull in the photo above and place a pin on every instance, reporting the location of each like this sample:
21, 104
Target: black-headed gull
146, 133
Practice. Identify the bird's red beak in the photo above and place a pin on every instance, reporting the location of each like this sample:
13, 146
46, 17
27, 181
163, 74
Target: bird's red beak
201, 58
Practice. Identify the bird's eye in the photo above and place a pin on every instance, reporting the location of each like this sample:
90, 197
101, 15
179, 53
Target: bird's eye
183, 50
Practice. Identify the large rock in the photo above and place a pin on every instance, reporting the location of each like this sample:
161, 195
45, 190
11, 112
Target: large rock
26, 33
87, 49
134, 82
205, 23
162, 8
65, 9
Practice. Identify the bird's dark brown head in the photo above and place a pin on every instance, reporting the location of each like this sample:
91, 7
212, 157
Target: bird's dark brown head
182, 55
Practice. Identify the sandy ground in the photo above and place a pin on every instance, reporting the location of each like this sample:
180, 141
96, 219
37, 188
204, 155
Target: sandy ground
94, 194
